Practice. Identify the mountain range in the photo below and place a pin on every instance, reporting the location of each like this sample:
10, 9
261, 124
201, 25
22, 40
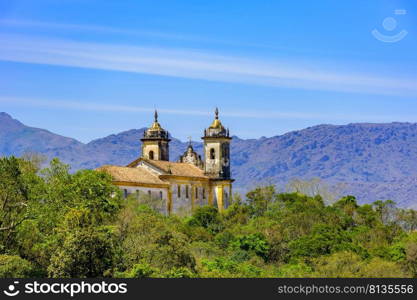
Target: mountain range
369, 161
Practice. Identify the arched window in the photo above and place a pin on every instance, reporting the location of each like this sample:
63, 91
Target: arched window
196, 192
179, 191
212, 153
151, 155
204, 193
186, 191
161, 196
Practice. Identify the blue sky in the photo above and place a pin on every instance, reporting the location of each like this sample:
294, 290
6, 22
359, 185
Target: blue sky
87, 68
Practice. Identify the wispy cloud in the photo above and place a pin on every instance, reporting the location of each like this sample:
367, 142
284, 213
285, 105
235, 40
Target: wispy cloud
106, 30
97, 29
193, 64
99, 107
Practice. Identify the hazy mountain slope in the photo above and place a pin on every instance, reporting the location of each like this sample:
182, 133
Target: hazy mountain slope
16, 138
358, 152
374, 161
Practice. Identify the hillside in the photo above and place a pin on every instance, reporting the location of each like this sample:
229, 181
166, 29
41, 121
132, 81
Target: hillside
16, 138
373, 161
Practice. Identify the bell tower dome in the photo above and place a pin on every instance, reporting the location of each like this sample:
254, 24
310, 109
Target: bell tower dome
217, 149
155, 142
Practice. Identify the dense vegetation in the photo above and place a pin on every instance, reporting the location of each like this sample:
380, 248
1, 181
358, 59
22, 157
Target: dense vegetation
57, 224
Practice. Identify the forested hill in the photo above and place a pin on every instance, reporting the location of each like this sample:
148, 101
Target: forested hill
373, 161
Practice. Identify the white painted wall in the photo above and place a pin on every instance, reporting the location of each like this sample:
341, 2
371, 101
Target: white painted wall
179, 203
155, 192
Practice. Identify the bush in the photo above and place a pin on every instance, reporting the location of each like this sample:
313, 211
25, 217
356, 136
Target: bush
323, 240
253, 243
84, 253
207, 217
179, 273
142, 270
223, 239
341, 264
379, 268
170, 250
294, 270
12, 266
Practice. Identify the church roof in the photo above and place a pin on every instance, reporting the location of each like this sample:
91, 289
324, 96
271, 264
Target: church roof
133, 175
172, 168
178, 168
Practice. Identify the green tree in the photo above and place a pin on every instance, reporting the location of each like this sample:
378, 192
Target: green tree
85, 253
170, 250
323, 240
411, 257
253, 244
207, 217
13, 201
94, 191
63, 205
260, 199
12, 266
348, 204
386, 210
141, 270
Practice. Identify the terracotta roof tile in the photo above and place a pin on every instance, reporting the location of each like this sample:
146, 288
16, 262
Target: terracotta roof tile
128, 174
178, 169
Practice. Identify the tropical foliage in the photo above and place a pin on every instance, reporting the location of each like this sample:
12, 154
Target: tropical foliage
57, 224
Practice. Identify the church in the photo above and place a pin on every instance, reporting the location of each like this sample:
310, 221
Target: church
187, 183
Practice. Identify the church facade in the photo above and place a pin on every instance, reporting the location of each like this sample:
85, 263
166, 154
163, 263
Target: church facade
190, 182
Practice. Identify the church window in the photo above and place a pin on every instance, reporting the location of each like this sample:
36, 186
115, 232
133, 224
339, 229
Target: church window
196, 192
186, 191
161, 195
204, 193
212, 153
179, 191
151, 155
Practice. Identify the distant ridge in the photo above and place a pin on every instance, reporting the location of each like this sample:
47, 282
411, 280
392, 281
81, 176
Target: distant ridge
374, 161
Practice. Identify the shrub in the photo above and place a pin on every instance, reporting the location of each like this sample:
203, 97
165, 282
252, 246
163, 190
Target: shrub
207, 217
253, 243
12, 266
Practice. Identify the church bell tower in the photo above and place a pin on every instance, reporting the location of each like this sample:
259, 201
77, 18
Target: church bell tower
155, 142
217, 150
